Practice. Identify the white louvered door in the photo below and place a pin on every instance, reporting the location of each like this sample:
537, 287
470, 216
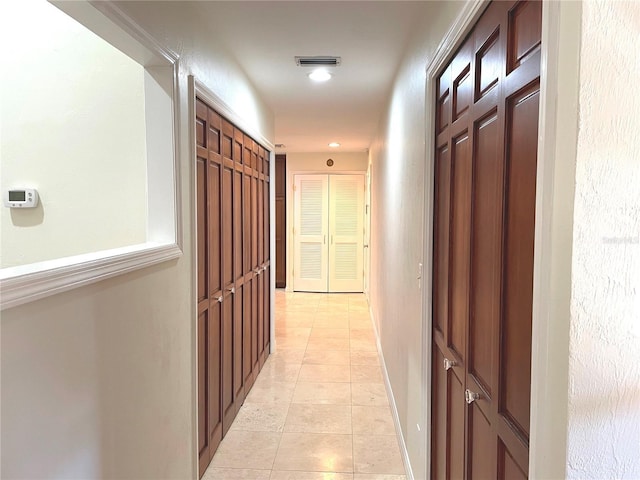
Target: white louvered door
311, 212
346, 233
328, 233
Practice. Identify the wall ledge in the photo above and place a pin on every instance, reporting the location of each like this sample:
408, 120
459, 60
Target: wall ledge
23, 284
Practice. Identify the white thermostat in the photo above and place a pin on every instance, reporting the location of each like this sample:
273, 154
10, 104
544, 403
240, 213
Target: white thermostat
21, 198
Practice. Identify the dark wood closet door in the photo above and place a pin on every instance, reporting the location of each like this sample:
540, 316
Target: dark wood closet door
232, 253
485, 180
266, 270
228, 278
281, 221
209, 178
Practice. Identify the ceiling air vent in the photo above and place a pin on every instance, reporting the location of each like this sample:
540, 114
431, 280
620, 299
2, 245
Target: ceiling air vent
322, 61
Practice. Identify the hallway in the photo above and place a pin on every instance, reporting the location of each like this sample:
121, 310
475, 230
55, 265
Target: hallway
319, 409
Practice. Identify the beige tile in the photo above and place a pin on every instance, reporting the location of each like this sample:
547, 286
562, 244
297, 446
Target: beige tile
366, 374
377, 454
315, 452
369, 394
329, 333
324, 373
271, 392
261, 417
374, 476
292, 338
294, 321
363, 345
328, 344
322, 393
327, 357
292, 342
362, 334
287, 355
330, 322
234, 448
318, 418
235, 474
280, 372
282, 475
357, 322
372, 420
364, 358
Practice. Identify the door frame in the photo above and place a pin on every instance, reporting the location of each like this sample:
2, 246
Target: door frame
196, 88
557, 144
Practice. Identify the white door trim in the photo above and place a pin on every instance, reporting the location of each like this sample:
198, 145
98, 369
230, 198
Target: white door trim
553, 232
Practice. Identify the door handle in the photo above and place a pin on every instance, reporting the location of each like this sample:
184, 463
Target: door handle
232, 289
219, 299
470, 396
257, 271
449, 363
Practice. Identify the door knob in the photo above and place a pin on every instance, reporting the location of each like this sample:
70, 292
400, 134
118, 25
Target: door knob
470, 396
219, 299
232, 289
449, 363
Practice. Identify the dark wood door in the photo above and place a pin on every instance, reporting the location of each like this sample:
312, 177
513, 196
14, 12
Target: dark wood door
209, 289
232, 173
281, 221
485, 180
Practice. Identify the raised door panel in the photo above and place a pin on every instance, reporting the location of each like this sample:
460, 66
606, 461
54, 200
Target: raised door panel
214, 371
460, 245
227, 368
442, 213
267, 311
254, 223
255, 340
248, 220
247, 340
310, 233
346, 232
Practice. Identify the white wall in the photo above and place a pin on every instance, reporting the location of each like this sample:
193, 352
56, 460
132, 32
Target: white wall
604, 370
306, 163
398, 160
72, 122
98, 382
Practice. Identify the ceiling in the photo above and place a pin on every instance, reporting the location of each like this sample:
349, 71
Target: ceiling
370, 36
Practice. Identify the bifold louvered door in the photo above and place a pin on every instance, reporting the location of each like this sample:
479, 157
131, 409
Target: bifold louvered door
329, 233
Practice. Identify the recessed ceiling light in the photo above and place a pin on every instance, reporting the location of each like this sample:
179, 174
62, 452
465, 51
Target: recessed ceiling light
319, 75
334, 144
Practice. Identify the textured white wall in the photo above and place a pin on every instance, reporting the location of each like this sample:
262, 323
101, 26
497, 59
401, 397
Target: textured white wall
98, 382
72, 122
604, 366
398, 160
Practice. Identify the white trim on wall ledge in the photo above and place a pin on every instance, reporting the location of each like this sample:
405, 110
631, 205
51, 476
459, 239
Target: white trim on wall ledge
31, 282
27, 283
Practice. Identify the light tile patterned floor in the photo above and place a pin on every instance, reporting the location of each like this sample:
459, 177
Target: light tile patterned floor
319, 408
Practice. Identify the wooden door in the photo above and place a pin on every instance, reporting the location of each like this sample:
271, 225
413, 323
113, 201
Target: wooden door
232, 253
209, 286
346, 233
281, 221
485, 178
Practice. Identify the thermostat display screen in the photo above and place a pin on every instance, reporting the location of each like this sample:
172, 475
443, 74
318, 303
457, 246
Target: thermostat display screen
17, 195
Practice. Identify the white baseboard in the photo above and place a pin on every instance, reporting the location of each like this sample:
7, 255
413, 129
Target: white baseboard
392, 402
